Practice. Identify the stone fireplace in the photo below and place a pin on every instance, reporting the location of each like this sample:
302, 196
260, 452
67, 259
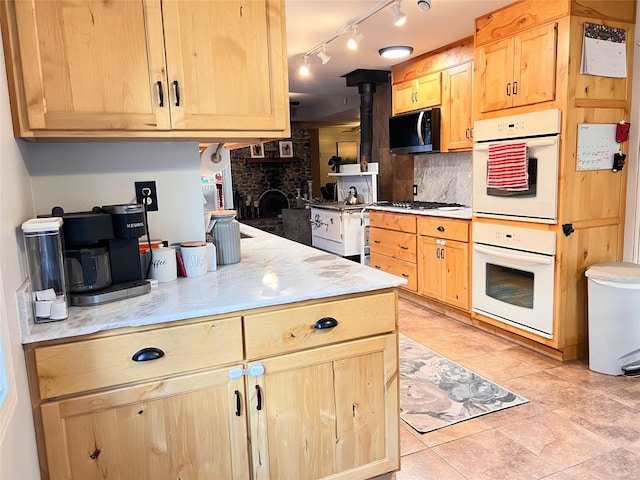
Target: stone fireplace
263, 187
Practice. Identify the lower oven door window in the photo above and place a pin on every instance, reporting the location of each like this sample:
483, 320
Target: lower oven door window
514, 287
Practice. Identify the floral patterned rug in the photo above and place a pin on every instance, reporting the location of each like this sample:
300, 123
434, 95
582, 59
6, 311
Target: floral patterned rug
436, 392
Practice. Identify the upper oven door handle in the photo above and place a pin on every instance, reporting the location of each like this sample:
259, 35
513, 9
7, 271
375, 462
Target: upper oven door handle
542, 142
520, 258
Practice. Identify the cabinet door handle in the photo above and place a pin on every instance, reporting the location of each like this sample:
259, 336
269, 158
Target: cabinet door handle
238, 403
325, 322
437, 253
177, 87
442, 253
509, 89
259, 394
405, 275
440, 228
146, 354
376, 241
160, 94
377, 266
403, 247
515, 88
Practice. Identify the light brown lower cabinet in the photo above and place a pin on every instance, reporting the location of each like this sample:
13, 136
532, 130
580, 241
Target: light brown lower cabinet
322, 402
443, 270
184, 427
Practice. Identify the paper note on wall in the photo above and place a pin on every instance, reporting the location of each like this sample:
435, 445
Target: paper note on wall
604, 51
596, 146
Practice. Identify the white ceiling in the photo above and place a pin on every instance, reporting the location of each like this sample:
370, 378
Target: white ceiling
323, 95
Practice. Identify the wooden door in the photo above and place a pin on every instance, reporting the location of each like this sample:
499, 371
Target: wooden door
430, 277
184, 427
495, 75
457, 114
429, 90
535, 66
229, 62
326, 412
92, 65
455, 256
404, 97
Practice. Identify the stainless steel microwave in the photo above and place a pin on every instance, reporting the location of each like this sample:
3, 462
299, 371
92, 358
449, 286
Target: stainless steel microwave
415, 132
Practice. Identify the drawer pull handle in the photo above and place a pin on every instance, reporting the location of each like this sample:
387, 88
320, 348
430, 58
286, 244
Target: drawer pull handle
325, 322
238, 403
402, 247
405, 275
259, 393
440, 228
376, 241
146, 354
377, 266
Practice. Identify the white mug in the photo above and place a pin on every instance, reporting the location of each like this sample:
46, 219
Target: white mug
194, 257
163, 264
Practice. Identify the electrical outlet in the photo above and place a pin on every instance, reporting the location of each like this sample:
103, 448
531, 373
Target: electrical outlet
146, 193
415, 190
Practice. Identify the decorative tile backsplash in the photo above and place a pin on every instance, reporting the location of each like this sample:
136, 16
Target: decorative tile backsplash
443, 177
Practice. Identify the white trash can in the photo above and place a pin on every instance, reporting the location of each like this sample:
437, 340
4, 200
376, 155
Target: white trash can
614, 318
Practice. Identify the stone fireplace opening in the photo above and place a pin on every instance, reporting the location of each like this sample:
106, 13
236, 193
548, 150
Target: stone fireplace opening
271, 203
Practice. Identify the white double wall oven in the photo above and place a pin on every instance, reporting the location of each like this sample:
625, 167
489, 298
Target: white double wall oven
515, 177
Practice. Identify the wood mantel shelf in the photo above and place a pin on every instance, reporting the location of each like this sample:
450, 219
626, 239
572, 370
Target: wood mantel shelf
273, 159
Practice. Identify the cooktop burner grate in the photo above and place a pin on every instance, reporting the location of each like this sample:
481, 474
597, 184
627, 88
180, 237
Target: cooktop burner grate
415, 205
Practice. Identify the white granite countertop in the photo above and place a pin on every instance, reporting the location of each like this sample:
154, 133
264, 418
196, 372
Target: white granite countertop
463, 213
273, 271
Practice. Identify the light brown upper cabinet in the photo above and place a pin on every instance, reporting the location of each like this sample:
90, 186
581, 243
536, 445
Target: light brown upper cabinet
457, 123
423, 92
147, 68
517, 71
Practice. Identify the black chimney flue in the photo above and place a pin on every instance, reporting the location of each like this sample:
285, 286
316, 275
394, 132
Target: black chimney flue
366, 81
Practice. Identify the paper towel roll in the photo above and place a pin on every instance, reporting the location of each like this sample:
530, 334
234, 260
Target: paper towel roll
214, 159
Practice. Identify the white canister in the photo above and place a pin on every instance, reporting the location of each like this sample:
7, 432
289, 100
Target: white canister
163, 265
194, 257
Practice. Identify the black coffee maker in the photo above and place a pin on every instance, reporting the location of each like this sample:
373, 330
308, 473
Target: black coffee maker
101, 253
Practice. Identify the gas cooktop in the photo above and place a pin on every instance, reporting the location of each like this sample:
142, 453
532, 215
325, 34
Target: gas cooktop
415, 205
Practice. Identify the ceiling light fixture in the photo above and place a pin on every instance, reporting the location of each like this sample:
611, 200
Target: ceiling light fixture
396, 51
304, 68
322, 55
354, 39
424, 5
399, 18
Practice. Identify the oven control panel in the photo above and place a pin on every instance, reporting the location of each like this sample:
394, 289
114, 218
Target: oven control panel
518, 238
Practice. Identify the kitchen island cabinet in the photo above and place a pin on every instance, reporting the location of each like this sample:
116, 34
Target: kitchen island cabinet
147, 69
327, 402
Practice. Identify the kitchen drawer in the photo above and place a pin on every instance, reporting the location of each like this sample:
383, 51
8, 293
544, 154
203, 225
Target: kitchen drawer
401, 222
440, 227
104, 362
282, 331
393, 244
397, 267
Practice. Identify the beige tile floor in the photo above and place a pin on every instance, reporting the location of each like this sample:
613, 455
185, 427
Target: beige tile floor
578, 424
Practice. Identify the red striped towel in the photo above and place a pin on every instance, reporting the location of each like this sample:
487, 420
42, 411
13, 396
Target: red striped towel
507, 166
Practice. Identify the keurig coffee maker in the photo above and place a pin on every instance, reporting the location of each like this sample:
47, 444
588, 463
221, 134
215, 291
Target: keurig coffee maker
101, 253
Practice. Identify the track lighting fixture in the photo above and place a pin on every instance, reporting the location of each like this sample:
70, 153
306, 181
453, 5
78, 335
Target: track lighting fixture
354, 39
351, 29
396, 51
322, 55
424, 5
304, 68
399, 18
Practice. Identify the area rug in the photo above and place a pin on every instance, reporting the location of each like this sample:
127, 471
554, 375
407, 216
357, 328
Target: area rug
436, 392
